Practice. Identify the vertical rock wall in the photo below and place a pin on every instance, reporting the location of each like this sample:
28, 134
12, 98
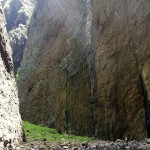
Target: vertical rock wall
10, 121
121, 40
84, 66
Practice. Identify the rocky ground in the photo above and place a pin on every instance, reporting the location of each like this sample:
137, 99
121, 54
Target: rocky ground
95, 145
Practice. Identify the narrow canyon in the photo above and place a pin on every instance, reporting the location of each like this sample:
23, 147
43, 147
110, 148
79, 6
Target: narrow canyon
80, 66
86, 68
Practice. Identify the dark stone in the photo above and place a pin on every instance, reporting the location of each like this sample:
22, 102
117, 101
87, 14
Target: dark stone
24, 136
5, 143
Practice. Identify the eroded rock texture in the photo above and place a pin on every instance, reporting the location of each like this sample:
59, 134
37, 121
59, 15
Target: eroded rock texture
10, 120
86, 67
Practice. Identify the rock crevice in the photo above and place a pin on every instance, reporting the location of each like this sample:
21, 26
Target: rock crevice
4, 55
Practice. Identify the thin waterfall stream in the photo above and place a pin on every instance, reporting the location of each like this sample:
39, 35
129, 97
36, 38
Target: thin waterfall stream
91, 63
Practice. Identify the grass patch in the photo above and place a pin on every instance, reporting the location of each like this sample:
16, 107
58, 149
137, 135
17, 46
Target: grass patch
38, 132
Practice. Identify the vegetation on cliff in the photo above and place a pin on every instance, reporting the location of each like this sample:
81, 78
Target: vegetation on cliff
18, 14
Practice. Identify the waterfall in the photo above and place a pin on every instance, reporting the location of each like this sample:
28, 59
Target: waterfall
91, 63
88, 23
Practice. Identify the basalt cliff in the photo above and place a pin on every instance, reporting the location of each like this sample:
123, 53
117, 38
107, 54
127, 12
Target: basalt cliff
10, 120
86, 68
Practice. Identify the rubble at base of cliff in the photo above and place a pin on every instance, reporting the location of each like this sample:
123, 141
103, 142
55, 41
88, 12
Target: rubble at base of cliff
95, 145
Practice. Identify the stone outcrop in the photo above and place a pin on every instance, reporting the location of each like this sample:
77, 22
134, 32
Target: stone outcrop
10, 120
17, 13
86, 67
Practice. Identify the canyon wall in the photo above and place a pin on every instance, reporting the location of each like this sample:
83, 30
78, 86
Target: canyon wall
18, 14
10, 120
86, 68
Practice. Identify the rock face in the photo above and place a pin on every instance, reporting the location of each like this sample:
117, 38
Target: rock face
17, 13
10, 120
86, 67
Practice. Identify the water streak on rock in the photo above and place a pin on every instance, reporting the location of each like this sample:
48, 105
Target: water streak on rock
91, 63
